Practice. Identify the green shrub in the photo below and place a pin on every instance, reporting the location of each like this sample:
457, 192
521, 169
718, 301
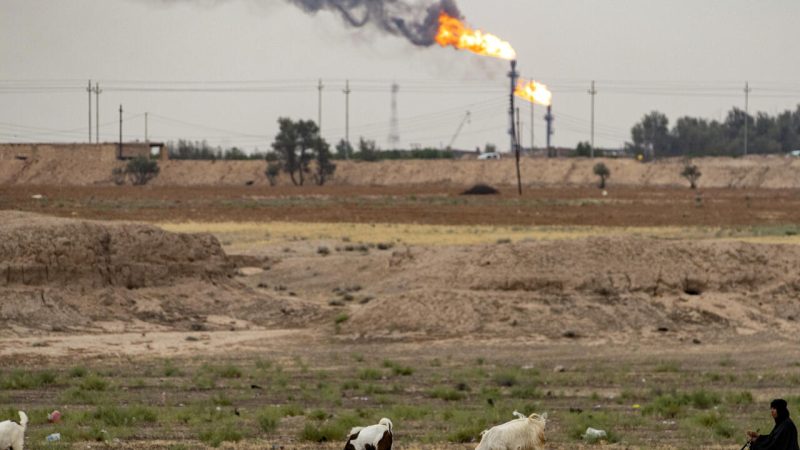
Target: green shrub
229, 371
93, 382
716, 422
141, 170
124, 416
78, 372
370, 374
448, 394
19, 379
506, 378
333, 430
341, 318
220, 432
269, 418
170, 370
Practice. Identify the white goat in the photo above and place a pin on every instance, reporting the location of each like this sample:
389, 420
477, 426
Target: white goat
373, 437
525, 433
12, 434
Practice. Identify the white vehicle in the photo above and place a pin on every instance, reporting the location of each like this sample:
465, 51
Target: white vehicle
795, 153
492, 155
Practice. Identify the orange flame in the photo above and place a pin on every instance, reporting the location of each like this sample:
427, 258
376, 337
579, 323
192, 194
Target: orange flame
534, 92
453, 32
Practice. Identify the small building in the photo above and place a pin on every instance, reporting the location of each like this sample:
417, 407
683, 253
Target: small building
104, 151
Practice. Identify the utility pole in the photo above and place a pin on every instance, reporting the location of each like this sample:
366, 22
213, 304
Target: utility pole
97, 92
146, 138
89, 90
592, 92
549, 119
394, 123
119, 156
512, 75
319, 104
746, 114
347, 92
532, 128
512, 110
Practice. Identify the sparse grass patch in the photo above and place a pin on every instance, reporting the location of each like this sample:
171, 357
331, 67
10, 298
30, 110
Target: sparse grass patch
218, 432
506, 378
78, 372
713, 421
269, 418
447, 394
668, 367
577, 423
123, 416
332, 430
740, 398
398, 369
19, 379
370, 374
93, 382
341, 318
170, 370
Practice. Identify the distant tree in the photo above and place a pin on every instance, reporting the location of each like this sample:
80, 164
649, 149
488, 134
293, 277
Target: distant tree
344, 150
272, 172
272, 156
141, 170
295, 144
693, 136
691, 173
583, 150
367, 150
603, 172
324, 167
490, 148
234, 153
651, 135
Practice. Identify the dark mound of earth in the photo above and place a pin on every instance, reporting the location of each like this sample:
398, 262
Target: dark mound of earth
481, 189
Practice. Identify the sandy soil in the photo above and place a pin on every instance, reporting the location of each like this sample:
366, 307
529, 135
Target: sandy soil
69, 275
72, 275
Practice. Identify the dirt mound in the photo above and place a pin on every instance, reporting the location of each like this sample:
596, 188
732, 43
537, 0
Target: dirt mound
594, 288
481, 189
59, 274
87, 165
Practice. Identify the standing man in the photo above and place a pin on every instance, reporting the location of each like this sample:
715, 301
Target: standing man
782, 437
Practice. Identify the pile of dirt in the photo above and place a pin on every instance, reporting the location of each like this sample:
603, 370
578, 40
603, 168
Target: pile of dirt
87, 165
598, 288
63, 274
481, 189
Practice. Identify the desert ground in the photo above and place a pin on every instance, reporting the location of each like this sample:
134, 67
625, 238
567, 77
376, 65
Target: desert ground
176, 317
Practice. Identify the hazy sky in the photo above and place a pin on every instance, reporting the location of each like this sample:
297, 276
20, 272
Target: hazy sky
682, 57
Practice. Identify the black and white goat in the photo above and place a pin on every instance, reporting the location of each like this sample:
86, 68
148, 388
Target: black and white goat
373, 437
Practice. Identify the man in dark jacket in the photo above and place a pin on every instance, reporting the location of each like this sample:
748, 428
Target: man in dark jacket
782, 437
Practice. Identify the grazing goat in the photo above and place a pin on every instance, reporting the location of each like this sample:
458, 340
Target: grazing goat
12, 434
373, 437
525, 433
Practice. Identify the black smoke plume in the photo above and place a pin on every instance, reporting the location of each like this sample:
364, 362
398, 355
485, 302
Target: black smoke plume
416, 21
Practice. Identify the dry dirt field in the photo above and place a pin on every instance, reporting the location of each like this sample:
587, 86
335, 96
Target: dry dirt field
438, 205
667, 317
